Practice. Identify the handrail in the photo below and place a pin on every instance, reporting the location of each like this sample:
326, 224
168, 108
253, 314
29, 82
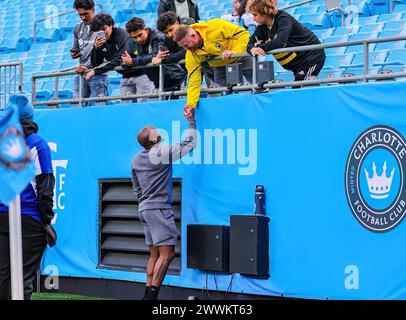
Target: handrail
160, 94
55, 16
11, 66
294, 49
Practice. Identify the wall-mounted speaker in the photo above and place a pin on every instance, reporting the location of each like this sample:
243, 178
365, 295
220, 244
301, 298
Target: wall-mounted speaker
249, 245
208, 247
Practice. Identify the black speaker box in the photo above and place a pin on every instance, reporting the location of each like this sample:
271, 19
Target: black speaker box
265, 71
234, 74
208, 247
249, 245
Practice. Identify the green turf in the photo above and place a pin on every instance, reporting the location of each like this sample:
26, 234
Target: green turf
62, 296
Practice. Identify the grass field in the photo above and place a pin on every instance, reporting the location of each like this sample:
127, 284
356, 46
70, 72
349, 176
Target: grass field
62, 296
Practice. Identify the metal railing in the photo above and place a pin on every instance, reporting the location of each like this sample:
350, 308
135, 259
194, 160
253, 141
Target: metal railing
254, 87
55, 16
11, 81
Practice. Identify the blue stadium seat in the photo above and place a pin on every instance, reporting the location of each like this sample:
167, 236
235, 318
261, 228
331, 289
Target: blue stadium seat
396, 56
375, 27
390, 17
400, 8
395, 68
368, 20
306, 10
325, 74
361, 36
42, 95
341, 31
378, 6
285, 76
336, 61
375, 58
355, 71
393, 44
337, 50
323, 33
395, 25
315, 20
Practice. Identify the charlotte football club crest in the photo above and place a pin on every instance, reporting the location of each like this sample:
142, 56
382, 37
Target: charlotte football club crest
14, 154
375, 177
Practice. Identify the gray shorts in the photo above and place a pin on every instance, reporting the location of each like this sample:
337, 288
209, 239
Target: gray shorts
159, 227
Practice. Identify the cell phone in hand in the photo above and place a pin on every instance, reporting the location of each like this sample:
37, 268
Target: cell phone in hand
74, 51
101, 34
163, 48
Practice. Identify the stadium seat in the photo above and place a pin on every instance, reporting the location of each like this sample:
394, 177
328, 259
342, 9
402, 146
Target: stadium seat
285, 76
360, 71
315, 20
361, 36
375, 27
390, 17
323, 33
378, 6
341, 31
393, 44
396, 56
368, 20
375, 58
395, 68
337, 50
395, 25
336, 61
325, 74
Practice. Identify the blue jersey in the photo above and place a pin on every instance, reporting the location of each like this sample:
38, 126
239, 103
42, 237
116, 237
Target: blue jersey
41, 157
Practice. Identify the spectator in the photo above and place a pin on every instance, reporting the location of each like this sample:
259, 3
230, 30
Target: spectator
109, 45
240, 16
207, 39
142, 52
83, 40
182, 8
151, 172
36, 207
168, 23
277, 29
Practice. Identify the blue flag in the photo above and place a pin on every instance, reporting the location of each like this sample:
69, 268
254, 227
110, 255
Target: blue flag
16, 168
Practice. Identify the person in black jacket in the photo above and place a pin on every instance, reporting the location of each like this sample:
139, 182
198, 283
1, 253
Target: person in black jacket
182, 8
36, 207
143, 51
109, 46
277, 29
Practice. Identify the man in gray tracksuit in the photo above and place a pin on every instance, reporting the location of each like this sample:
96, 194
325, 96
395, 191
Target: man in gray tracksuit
151, 172
83, 42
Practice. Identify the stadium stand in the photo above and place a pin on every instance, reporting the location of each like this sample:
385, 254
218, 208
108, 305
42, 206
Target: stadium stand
50, 53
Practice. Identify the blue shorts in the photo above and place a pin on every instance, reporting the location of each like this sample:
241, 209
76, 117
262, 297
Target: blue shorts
159, 227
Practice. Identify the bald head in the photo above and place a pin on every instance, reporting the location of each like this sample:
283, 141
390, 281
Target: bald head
188, 38
148, 137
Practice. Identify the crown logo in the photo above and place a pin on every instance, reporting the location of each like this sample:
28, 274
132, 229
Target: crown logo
13, 148
379, 186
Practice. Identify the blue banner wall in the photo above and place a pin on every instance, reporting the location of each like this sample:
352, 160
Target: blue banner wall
296, 143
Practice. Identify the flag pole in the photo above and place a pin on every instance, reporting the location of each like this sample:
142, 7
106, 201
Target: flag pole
16, 254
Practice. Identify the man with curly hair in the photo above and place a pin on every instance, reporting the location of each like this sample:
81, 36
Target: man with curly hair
277, 29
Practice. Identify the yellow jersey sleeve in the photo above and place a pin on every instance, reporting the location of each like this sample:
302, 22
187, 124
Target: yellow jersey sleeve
194, 69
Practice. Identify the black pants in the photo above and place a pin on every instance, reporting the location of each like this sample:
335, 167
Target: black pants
34, 245
309, 68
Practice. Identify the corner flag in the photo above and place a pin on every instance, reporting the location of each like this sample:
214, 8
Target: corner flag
16, 168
